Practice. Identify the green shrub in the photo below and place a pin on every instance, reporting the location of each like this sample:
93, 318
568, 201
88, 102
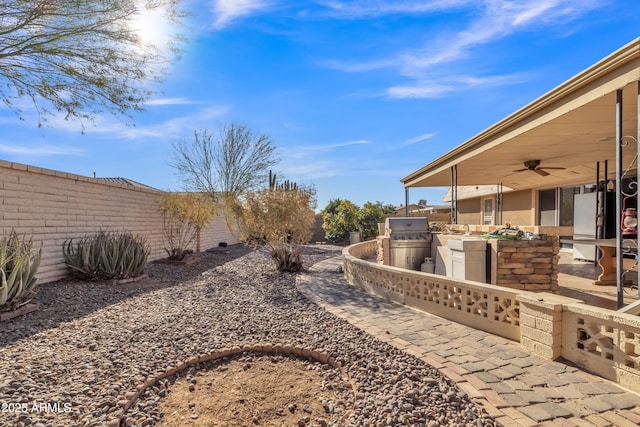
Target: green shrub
18, 267
106, 255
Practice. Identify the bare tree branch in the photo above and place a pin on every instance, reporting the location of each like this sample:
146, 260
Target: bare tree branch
78, 57
237, 162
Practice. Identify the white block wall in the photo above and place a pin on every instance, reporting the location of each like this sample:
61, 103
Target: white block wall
51, 207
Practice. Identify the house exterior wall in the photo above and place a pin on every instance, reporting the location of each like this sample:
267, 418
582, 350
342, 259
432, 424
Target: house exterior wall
51, 206
517, 208
469, 211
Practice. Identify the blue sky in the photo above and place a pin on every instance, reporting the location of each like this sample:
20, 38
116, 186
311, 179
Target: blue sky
355, 94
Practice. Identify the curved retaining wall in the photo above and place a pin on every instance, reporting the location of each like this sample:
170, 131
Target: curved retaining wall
601, 341
488, 307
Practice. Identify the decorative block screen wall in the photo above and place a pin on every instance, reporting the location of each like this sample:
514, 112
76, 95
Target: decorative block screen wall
598, 340
50, 207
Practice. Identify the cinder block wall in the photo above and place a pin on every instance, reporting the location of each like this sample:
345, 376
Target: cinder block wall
51, 207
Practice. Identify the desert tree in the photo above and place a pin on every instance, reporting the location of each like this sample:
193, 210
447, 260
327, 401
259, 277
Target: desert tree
282, 218
339, 218
184, 217
79, 58
229, 164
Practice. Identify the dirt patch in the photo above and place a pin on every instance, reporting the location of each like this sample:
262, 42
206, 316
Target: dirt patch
264, 390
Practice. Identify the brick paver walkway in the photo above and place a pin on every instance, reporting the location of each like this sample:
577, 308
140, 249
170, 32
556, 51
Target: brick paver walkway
518, 389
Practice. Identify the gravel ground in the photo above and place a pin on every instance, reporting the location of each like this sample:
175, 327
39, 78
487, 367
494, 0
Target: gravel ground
70, 362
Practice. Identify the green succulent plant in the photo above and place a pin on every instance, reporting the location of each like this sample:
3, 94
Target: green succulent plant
106, 255
18, 267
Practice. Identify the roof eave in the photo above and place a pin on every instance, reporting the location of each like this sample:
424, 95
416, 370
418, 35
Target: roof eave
625, 56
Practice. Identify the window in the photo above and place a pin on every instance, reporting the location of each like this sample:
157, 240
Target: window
566, 205
547, 204
556, 206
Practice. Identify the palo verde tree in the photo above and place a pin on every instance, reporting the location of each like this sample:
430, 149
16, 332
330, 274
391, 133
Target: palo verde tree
79, 58
233, 162
280, 216
184, 215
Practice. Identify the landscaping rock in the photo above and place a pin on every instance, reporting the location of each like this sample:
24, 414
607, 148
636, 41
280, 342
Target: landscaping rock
92, 343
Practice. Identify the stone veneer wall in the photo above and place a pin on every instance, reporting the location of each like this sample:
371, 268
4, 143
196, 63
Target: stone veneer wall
51, 206
530, 265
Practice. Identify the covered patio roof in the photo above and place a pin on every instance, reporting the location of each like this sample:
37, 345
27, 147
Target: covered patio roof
573, 126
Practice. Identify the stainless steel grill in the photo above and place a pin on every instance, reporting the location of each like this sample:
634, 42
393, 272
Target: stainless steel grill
409, 241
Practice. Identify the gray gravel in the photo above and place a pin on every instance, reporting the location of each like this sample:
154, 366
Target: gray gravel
71, 362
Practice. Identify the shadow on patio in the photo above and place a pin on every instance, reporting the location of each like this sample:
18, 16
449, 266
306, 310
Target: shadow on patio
575, 279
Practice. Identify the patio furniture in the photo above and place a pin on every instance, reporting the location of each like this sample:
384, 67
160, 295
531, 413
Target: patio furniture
606, 261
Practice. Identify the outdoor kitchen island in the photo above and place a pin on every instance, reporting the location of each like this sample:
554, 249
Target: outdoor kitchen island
518, 264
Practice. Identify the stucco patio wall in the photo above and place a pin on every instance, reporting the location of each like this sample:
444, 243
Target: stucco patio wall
601, 341
51, 206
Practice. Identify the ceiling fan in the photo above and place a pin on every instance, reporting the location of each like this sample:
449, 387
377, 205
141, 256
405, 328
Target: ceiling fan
533, 165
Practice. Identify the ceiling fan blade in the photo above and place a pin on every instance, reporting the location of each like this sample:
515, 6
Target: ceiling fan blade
551, 167
520, 170
540, 172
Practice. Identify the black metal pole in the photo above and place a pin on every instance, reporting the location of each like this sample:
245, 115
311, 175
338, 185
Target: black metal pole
599, 204
406, 201
637, 178
454, 194
619, 197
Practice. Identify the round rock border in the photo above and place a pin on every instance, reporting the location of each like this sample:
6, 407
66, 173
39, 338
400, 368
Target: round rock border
130, 397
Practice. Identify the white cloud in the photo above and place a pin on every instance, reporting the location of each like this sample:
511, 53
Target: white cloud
420, 138
426, 90
497, 20
483, 23
437, 87
227, 11
328, 147
40, 150
358, 9
169, 101
182, 126
355, 67
312, 170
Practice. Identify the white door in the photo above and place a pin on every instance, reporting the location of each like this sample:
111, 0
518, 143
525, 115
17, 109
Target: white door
488, 211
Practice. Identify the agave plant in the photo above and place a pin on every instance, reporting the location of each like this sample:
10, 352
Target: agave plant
106, 255
18, 267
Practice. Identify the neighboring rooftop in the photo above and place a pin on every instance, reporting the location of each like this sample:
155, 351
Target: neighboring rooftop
126, 182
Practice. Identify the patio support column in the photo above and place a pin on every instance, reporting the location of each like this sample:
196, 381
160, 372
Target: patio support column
619, 170
601, 192
638, 178
454, 194
406, 201
499, 203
